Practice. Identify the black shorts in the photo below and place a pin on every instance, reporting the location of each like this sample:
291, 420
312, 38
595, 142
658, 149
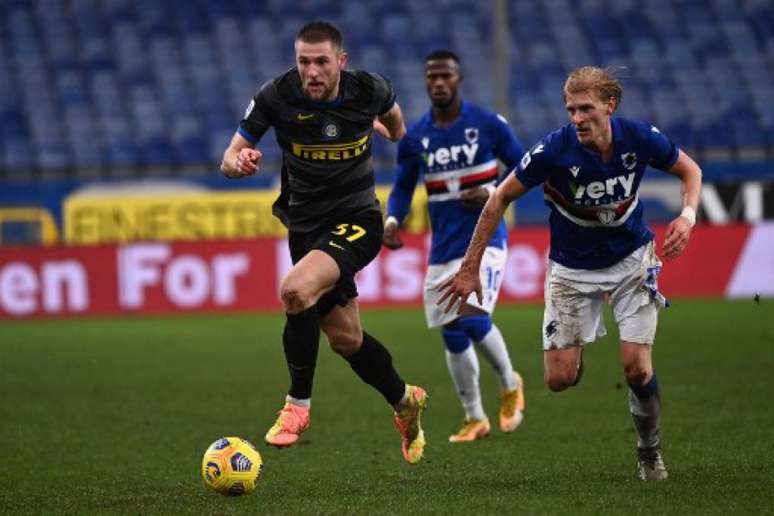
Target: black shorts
353, 241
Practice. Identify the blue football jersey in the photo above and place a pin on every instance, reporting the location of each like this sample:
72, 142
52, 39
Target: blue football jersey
451, 160
596, 214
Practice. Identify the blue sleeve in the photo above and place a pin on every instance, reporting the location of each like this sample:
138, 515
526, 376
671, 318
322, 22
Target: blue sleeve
406, 177
533, 167
663, 153
258, 115
246, 135
508, 148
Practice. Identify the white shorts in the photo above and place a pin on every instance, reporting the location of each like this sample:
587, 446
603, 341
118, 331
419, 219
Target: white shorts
492, 267
574, 298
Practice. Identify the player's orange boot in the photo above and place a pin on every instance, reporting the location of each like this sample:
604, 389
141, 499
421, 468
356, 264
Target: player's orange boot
471, 430
512, 406
409, 424
291, 422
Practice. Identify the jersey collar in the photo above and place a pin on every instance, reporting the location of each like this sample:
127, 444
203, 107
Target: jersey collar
320, 104
326, 104
615, 126
464, 109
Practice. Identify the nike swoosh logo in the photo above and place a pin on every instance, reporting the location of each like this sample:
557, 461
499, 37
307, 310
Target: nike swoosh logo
334, 244
307, 116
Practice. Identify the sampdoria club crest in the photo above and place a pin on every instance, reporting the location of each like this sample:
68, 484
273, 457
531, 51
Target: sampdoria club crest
629, 160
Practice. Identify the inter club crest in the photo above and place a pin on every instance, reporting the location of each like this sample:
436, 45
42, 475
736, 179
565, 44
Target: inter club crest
330, 130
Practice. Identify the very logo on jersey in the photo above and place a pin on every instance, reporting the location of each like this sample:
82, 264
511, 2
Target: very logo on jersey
456, 154
619, 187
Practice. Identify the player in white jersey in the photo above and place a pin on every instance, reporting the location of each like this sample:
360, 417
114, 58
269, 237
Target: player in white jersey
454, 148
600, 247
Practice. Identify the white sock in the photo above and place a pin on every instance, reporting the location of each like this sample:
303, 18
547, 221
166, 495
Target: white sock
464, 370
301, 403
494, 350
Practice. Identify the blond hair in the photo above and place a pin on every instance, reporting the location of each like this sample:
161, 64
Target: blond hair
601, 81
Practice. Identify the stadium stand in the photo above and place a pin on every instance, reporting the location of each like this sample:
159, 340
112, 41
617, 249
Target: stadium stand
120, 88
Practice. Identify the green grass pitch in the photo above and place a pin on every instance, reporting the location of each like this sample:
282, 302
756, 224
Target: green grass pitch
111, 416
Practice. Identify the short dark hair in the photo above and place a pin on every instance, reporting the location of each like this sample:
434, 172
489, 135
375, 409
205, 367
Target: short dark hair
438, 55
320, 31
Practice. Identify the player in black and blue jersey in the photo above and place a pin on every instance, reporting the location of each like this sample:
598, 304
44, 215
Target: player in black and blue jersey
324, 117
601, 248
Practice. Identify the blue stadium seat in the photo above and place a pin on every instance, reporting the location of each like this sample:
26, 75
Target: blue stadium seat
121, 153
682, 134
53, 157
716, 134
192, 150
18, 159
163, 84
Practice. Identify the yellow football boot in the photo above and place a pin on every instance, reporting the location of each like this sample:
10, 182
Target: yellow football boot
409, 424
471, 430
512, 406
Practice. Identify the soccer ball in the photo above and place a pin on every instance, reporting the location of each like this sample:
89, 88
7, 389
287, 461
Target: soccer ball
231, 466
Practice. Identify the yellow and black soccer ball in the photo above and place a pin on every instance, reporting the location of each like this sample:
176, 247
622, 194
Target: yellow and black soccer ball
231, 466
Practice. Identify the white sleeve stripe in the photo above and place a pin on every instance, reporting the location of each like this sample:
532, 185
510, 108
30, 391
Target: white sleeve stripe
594, 223
460, 172
449, 196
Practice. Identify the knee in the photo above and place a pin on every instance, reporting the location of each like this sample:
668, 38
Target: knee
637, 374
475, 326
344, 342
294, 297
560, 375
455, 340
558, 382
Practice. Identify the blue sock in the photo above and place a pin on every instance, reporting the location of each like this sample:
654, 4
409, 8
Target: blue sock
647, 391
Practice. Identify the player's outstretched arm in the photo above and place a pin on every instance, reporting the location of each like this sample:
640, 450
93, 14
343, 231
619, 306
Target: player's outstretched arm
391, 238
399, 202
476, 198
679, 230
240, 158
390, 124
467, 279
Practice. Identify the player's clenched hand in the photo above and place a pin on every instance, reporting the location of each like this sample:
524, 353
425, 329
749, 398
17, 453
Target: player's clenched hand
474, 199
676, 238
381, 129
457, 289
391, 238
247, 162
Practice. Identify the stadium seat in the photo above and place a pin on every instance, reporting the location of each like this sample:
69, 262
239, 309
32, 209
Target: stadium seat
181, 77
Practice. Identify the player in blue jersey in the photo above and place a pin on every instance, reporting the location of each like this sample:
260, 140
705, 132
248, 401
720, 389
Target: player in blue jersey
600, 247
454, 149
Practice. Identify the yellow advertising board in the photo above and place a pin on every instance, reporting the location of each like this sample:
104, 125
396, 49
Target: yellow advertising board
189, 216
